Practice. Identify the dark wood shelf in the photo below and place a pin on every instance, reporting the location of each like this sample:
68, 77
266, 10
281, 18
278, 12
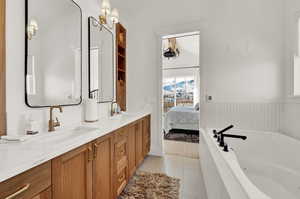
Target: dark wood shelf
121, 66
121, 70
121, 55
121, 46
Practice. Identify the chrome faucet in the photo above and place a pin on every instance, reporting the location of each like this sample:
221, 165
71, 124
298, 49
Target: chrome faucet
52, 123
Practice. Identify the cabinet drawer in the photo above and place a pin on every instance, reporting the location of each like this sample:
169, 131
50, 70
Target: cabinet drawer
121, 181
121, 164
121, 149
47, 194
27, 184
120, 134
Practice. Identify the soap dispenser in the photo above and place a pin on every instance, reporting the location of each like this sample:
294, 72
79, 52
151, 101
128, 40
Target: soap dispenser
32, 126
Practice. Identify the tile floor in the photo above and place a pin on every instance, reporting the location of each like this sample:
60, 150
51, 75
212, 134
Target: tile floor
188, 170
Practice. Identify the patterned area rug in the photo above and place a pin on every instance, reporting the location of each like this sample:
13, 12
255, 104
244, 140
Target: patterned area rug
146, 185
182, 135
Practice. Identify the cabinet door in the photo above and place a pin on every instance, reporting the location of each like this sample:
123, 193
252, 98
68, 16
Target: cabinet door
47, 194
72, 174
131, 149
139, 143
146, 136
102, 168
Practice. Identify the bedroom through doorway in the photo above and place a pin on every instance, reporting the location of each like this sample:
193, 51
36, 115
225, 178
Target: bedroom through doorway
181, 93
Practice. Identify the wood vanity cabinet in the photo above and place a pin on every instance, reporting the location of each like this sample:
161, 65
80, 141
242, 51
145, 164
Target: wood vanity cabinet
32, 184
139, 142
131, 148
146, 135
97, 170
103, 167
72, 174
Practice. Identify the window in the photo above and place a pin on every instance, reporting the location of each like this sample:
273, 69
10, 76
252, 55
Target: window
169, 93
185, 91
179, 88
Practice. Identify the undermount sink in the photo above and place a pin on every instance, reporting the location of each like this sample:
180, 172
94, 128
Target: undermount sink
116, 117
62, 135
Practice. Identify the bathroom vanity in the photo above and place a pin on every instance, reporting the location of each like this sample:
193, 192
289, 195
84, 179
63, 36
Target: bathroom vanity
94, 161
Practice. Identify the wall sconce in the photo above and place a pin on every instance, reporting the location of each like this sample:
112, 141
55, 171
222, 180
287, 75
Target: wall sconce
114, 16
32, 29
108, 14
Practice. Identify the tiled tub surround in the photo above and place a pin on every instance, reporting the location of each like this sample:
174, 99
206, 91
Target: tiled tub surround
259, 167
19, 157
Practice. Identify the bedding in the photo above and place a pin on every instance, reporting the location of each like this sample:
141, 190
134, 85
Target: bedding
182, 117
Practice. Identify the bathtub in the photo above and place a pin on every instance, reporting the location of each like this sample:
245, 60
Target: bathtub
265, 166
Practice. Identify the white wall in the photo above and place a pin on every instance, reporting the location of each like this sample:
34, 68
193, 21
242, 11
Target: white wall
241, 49
291, 110
241, 43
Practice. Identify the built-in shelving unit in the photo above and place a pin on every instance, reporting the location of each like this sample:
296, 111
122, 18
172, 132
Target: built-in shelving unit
121, 65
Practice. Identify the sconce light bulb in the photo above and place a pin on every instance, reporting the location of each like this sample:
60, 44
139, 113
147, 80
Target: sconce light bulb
34, 24
114, 16
105, 7
32, 28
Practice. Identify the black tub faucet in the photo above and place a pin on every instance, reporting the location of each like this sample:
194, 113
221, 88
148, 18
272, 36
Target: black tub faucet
223, 144
222, 131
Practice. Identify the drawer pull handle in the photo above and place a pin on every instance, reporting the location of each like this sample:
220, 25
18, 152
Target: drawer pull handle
95, 149
23, 189
122, 152
121, 178
90, 154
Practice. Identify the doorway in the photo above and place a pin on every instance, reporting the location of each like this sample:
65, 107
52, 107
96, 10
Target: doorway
180, 93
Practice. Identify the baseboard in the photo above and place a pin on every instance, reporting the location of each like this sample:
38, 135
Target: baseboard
156, 151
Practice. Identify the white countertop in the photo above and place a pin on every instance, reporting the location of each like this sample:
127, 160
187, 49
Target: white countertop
16, 158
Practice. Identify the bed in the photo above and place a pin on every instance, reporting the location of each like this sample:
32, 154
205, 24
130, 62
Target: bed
182, 117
